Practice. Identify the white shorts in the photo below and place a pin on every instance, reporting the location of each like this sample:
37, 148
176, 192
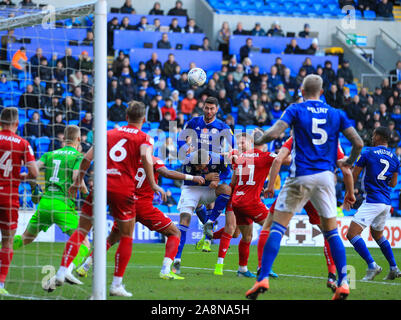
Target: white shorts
372, 214
319, 188
191, 196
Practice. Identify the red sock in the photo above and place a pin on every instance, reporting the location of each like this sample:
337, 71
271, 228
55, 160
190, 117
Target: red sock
243, 251
6, 255
264, 234
172, 247
218, 233
329, 259
108, 246
224, 244
72, 247
123, 254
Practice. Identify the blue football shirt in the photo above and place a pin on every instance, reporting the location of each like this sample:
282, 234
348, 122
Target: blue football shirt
378, 164
316, 127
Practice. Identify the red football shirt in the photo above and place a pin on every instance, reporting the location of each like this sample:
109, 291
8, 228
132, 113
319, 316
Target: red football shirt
288, 145
123, 157
143, 191
14, 153
252, 170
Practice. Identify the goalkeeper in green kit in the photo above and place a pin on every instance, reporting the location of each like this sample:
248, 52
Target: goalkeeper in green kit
55, 206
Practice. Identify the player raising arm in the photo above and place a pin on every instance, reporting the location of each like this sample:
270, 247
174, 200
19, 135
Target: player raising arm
152, 217
14, 152
126, 146
316, 127
380, 172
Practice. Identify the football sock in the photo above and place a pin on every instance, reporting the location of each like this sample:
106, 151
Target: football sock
82, 253
1, 285
224, 244
218, 233
331, 267
338, 252
123, 255
243, 252
360, 247
117, 281
6, 255
183, 239
201, 213
108, 246
72, 247
264, 234
88, 263
271, 249
172, 247
242, 268
220, 260
18, 243
166, 267
387, 251
219, 205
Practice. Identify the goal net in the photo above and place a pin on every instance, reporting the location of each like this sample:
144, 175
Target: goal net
48, 71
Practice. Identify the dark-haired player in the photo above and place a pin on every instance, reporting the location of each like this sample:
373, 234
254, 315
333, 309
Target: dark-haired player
380, 173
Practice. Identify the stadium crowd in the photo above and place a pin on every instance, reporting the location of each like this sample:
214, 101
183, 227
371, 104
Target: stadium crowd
62, 91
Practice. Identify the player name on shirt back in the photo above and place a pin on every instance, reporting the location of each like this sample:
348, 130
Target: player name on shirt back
10, 138
128, 130
317, 109
382, 151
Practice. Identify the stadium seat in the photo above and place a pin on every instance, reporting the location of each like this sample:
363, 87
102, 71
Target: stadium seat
369, 15
73, 122
239, 127
42, 145
122, 123
110, 125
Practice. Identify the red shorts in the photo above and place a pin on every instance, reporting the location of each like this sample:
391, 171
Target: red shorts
149, 216
8, 211
314, 217
122, 206
249, 214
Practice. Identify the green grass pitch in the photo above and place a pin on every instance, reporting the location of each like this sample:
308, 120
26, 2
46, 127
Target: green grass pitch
302, 275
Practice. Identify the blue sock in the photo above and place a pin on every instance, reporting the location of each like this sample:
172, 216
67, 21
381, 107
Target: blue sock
219, 206
360, 247
201, 213
270, 251
183, 239
338, 252
387, 251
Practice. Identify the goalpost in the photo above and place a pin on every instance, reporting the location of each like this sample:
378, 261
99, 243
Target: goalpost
38, 27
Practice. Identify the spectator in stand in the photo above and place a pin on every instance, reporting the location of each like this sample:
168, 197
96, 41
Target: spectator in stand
378, 97
5, 86
175, 100
163, 90
165, 122
191, 27
307, 64
276, 110
170, 201
88, 41
305, 33
231, 86
156, 10
86, 123
280, 66
168, 107
240, 30
258, 30
245, 49
7, 39
29, 100
395, 75
314, 46
232, 63
19, 62
56, 126
210, 89
363, 133
182, 84
328, 71
345, 72
69, 62
7, 3
366, 5
125, 25
155, 26
274, 78
164, 43
261, 116
293, 48
300, 76
153, 112
152, 63
384, 9
238, 73
205, 45
117, 112
282, 99
224, 102
394, 135
223, 38
59, 72
34, 128
35, 62
70, 109
169, 66
289, 81
156, 77
188, 103
142, 24
343, 3
111, 26
54, 108
45, 72
386, 89
127, 7
334, 98
174, 27
247, 66
384, 115
128, 92
230, 121
143, 96
178, 10
113, 91
275, 30
27, 3
246, 114
85, 63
